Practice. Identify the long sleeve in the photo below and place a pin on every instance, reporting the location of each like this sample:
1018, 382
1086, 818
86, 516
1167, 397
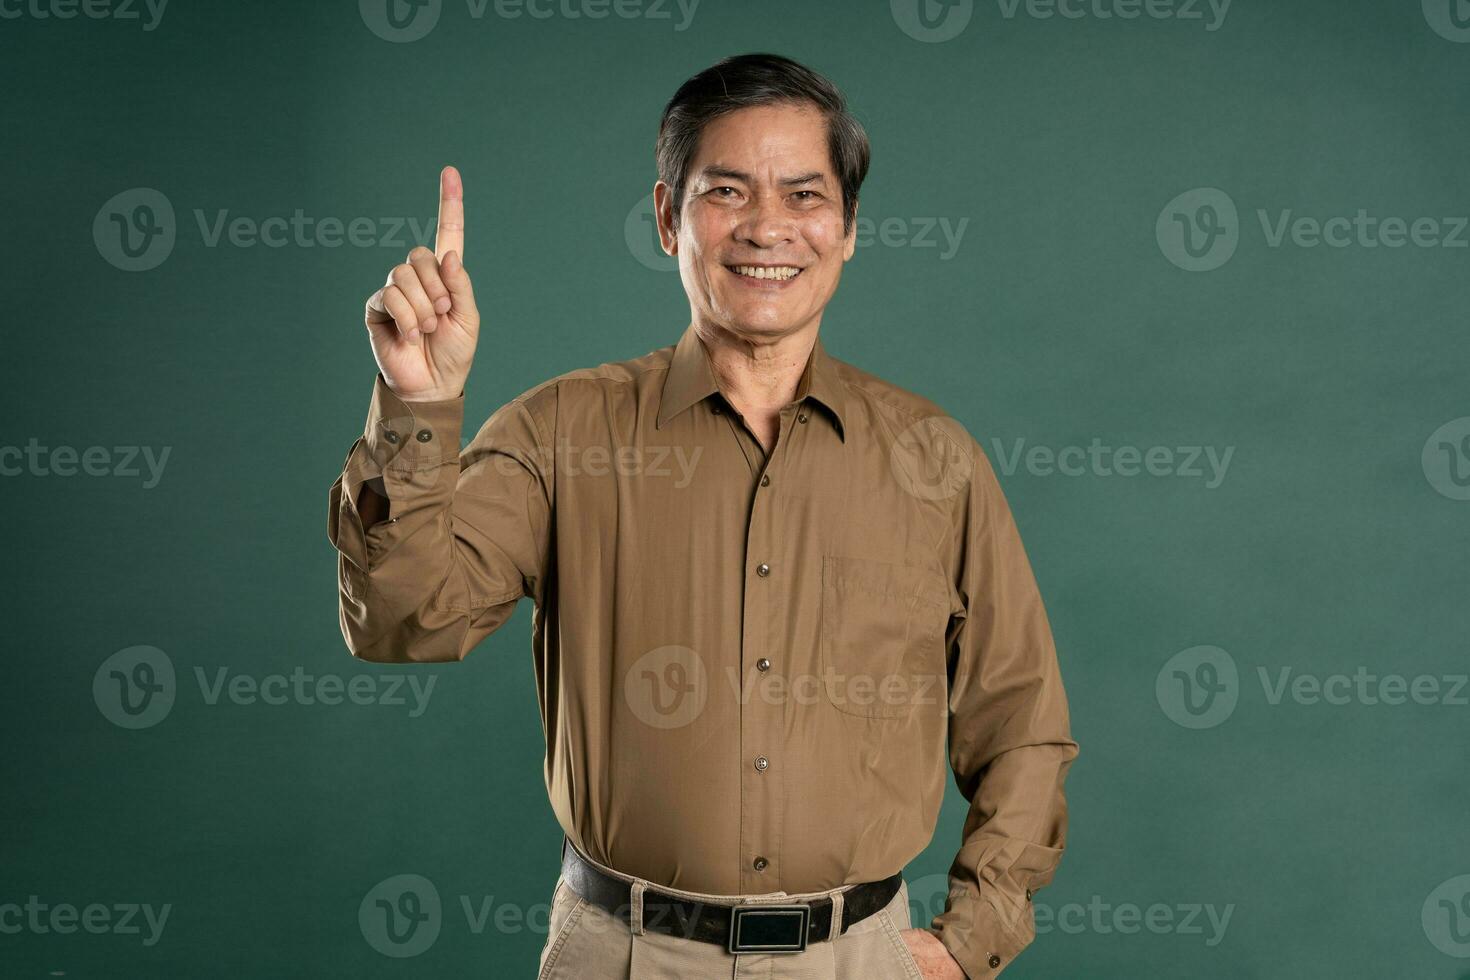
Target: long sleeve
466, 534
1009, 735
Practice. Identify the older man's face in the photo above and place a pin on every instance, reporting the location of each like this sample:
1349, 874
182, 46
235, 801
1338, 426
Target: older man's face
760, 241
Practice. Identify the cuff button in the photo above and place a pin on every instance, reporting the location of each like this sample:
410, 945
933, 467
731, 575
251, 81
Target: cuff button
994, 961
424, 435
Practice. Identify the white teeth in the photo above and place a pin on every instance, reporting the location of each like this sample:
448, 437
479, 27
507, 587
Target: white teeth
767, 272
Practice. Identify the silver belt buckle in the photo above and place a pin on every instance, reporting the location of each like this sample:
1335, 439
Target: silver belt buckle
768, 928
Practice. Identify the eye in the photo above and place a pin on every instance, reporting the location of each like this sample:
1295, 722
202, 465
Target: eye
806, 197
720, 191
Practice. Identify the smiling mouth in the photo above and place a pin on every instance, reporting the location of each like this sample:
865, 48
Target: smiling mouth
766, 273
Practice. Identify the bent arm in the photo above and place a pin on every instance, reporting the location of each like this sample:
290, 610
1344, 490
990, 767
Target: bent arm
1009, 735
436, 547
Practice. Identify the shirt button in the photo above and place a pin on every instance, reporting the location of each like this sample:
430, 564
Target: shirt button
761, 763
762, 664
763, 569
994, 961
759, 864
765, 480
716, 409
391, 436
801, 418
1028, 894
424, 435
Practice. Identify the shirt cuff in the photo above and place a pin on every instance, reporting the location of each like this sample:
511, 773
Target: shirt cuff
407, 436
978, 938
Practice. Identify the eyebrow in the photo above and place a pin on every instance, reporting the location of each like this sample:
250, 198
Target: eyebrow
740, 175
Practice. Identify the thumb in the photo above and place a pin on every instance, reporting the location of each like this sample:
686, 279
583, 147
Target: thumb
457, 281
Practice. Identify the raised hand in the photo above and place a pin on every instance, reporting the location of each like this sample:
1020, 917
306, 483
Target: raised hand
423, 324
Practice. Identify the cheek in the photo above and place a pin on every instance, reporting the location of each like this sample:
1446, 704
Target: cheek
825, 237
707, 228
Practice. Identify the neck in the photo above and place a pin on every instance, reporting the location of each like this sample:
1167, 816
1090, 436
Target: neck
758, 375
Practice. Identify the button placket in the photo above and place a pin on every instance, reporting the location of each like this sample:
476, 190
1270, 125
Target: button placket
761, 715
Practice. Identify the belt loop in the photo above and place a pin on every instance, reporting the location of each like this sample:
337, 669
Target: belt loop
635, 906
835, 929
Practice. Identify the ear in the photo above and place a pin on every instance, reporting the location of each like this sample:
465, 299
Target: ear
663, 213
850, 244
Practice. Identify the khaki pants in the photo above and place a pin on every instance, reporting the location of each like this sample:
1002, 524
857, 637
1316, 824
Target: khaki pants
587, 943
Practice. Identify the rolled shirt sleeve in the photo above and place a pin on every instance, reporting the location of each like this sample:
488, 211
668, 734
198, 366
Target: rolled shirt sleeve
1009, 736
465, 536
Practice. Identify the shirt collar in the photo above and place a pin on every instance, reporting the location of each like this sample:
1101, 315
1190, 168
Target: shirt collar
690, 379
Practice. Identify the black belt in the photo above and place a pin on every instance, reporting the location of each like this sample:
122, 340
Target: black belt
739, 928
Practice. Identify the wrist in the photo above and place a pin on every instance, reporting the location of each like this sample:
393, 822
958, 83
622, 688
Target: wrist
431, 396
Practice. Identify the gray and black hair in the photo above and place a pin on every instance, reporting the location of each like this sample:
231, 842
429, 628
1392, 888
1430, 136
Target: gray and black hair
749, 80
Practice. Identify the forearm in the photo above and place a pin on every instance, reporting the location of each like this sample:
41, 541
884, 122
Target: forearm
431, 557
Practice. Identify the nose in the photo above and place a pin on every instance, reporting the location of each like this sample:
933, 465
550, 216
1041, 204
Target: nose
766, 224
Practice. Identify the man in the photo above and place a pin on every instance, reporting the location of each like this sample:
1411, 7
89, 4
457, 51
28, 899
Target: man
768, 586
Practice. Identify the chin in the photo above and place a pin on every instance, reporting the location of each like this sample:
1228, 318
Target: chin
758, 325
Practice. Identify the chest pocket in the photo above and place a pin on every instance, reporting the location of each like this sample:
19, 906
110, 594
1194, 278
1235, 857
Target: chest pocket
882, 644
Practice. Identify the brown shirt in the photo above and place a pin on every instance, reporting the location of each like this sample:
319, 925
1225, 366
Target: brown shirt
748, 664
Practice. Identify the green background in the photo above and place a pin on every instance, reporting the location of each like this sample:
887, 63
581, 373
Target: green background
1059, 320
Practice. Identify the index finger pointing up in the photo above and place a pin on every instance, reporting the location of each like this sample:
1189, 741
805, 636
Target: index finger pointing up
449, 234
